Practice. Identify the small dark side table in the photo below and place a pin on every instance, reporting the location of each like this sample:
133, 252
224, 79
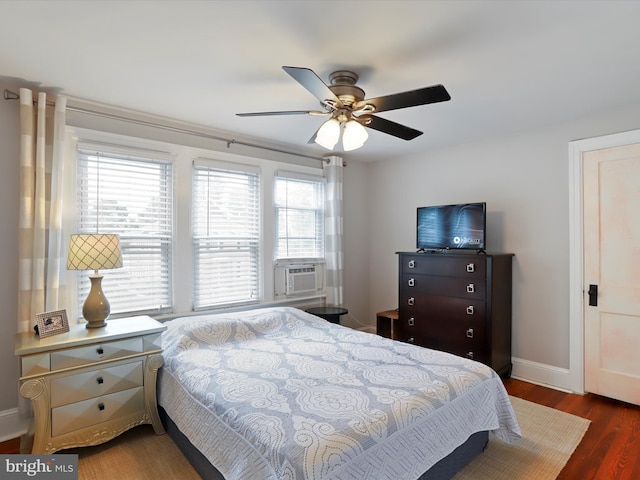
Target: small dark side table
331, 314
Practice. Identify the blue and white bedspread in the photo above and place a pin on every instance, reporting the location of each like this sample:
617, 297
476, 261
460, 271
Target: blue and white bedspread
281, 394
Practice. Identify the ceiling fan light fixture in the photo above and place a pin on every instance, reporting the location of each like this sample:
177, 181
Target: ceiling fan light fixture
354, 135
328, 134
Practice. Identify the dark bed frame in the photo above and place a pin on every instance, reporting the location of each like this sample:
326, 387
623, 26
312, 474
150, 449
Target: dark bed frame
445, 469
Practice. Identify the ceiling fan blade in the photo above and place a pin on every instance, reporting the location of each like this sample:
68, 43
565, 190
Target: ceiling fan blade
391, 128
289, 112
421, 96
313, 83
314, 136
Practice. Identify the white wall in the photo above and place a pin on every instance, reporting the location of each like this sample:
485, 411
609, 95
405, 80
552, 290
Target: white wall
9, 151
356, 246
525, 181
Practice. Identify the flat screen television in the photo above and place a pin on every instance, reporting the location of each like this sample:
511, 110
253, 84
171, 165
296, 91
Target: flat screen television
460, 226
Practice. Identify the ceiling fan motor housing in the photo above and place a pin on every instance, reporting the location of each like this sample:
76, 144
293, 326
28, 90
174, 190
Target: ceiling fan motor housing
343, 85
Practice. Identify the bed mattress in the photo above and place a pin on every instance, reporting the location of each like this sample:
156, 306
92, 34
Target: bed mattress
282, 394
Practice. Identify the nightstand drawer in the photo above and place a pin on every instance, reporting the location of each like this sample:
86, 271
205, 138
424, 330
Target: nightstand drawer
96, 410
74, 357
94, 383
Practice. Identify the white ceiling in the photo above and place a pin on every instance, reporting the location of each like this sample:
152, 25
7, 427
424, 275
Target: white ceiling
509, 66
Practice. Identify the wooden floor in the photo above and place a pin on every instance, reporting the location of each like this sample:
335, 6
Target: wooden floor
10, 446
610, 450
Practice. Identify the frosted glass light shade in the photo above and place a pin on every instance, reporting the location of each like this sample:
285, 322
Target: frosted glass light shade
328, 134
354, 135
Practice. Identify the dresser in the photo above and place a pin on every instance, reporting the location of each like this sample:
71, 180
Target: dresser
458, 303
87, 386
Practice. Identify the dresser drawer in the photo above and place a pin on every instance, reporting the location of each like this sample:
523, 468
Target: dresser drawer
74, 357
76, 387
467, 332
445, 286
472, 350
470, 266
94, 411
456, 309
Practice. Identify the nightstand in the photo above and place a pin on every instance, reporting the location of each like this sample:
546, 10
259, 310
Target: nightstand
89, 385
330, 314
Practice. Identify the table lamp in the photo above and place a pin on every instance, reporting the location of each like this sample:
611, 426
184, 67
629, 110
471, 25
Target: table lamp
95, 252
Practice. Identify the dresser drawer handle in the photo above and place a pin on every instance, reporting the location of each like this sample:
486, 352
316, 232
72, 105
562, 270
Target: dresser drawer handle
411, 301
411, 264
470, 355
471, 267
412, 322
470, 333
100, 380
470, 310
471, 288
101, 406
99, 351
412, 282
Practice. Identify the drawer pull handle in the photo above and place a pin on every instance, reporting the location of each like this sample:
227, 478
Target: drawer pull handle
471, 288
411, 282
100, 380
412, 322
470, 355
411, 264
471, 267
411, 340
100, 351
470, 310
101, 406
470, 333
411, 301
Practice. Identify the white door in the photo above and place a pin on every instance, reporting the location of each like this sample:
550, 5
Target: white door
612, 265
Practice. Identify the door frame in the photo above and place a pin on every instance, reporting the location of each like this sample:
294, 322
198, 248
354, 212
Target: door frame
576, 246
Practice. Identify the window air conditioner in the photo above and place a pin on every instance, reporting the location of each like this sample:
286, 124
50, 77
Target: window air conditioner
301, 279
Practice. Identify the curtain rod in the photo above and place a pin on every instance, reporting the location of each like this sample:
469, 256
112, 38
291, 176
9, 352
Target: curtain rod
9, 95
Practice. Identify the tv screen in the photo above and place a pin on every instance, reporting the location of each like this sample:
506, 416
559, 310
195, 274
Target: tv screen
459, 226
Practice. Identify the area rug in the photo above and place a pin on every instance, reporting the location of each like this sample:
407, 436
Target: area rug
549, 438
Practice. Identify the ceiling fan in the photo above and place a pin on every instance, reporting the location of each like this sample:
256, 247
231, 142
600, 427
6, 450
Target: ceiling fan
344, 102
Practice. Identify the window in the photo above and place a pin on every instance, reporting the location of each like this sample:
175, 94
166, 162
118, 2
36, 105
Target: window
299, 218
226, 235
131, 196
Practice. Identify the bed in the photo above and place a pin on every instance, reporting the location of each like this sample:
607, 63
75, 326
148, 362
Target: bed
279, 393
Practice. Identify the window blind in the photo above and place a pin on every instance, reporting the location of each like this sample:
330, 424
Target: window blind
299, 217
133, 197
226, 236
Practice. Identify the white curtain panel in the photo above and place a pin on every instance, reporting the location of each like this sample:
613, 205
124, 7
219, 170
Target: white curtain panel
333, 169
40, 249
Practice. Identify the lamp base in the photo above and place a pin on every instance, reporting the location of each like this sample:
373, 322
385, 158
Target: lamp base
96, 307
96, 324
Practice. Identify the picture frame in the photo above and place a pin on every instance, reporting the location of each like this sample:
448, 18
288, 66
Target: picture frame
52, 323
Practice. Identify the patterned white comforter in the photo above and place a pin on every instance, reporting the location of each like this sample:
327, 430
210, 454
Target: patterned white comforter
282, 394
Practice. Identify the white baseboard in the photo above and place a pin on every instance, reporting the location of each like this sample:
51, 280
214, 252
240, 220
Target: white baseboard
368, 329
542, 374
11, 425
